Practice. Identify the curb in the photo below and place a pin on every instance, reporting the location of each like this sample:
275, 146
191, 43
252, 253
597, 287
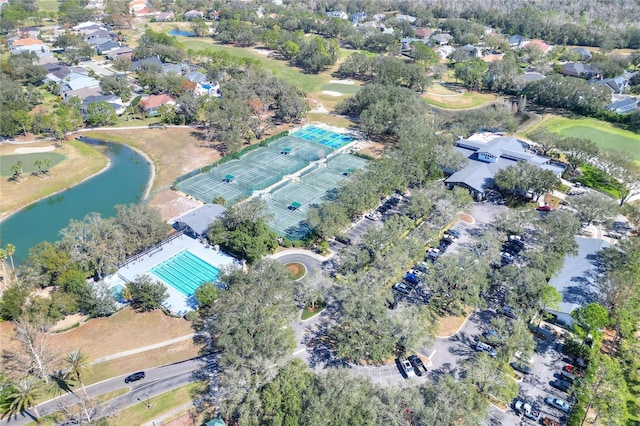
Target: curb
459, 328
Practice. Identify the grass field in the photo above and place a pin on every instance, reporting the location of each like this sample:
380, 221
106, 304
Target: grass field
81, 161
162, 404
48, 5
442, 97
8, 161
347, 89
604, 134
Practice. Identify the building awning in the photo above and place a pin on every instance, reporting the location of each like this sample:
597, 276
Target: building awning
228, 178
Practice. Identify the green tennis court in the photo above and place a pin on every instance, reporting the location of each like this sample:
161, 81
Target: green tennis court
281, 161
290, 203
302, 149
205, 188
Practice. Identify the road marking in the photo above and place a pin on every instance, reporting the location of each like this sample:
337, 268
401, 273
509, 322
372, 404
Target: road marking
431, 356
299, 351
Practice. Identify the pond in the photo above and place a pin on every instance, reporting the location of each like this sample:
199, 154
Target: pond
177, 32
124, 182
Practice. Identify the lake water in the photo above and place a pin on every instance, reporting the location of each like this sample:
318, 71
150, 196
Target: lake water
183, 33
124, 182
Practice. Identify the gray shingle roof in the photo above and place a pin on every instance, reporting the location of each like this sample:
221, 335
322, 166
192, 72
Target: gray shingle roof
201, 218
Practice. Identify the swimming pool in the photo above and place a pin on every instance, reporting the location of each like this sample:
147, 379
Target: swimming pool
185, 272
324, 137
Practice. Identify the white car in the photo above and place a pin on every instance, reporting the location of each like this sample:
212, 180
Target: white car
558, 403
407, 368
518, 355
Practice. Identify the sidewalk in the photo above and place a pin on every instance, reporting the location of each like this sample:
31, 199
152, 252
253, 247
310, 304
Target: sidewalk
143, 349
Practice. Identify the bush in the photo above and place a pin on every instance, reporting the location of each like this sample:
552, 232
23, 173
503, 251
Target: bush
191, 316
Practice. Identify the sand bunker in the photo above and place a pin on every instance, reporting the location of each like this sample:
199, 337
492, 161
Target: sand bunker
331, 93
347, 81
34, 150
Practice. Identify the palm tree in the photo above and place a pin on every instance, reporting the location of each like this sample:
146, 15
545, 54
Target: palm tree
23, 396
78, 365
38, 164
3, 257
46, 163
10, 250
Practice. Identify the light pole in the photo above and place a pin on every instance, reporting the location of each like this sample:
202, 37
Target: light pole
147, 402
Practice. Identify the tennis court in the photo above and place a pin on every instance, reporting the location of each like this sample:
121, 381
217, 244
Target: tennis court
300, 148
249, 176
291, 202
282, 161
323, 137
205, 187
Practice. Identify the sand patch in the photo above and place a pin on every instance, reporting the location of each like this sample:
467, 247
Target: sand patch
331, 93
263, 52
346, 81
34, 149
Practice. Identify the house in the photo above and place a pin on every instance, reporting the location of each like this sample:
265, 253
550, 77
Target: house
370, 25
113, 100
445, 51
489, 153
624, 106
193, 14
583, 52
530, 76
423, 32
406, 42
165, 16
81, 94
29, 32
406, 18
577, 69
197, 222
493, 57
516, 41
29, 45
216, 422
203, 85
106, 47
576, 280
135, 5
121, 51
173, 68
339, 14
443, 39
87, 25
150, 104
617, 84
56, 71
357, 17
379, 17
75, 81
151, 60
541, 45
469, 51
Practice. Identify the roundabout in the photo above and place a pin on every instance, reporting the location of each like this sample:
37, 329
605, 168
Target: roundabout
297, 269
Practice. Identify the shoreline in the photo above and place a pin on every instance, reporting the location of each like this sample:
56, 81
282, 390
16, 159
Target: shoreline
150, 182
11, 213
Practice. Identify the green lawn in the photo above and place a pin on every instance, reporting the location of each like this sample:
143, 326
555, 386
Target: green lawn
8, 161
604, 134
48, 5
307, 82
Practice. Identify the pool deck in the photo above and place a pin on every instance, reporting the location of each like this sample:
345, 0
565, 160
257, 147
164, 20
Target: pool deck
176, 302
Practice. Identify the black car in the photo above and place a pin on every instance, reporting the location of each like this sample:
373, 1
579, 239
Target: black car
418, 365
134, 377
562, 385
453, 232
522, 367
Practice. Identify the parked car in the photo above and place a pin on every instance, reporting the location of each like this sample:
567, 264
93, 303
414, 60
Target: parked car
157, 126
521, 367
550, 421
455, 233
492, 337
508, 311
545, 208
483, 347
519, 355
562, 385
421, 266
573, 370
402, 288
526, 409
506, 257
411, 279
558, 403
418, 365
407, 368
134, 377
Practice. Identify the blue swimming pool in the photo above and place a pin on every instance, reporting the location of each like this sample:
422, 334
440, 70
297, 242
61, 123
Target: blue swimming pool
323, 137
185, 272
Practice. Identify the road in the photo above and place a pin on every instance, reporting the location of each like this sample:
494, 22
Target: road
157, 381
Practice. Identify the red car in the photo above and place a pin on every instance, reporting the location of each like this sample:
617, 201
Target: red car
573, 370
544, 208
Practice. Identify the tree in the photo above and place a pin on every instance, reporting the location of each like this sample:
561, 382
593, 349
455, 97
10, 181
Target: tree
591, 318
24, 395
622, 168
549, 298
290, 49
100, 114
99, 302
36, 356
206, 294
16, 170
13, 300
545, 141
577, 151
317, 54
423, 54
23, 119
472, 73
524, 177
487, 375
199, 27
146, 293
449, 402
116, 85
78, 364
594, 207
140, 225
283, 399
